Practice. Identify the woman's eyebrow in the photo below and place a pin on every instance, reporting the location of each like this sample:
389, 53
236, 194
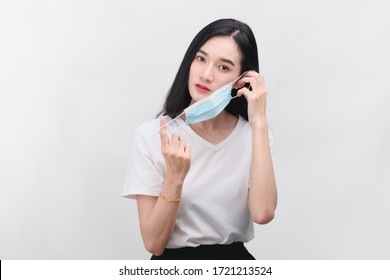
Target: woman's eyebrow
227, 61
222, 59
203, 52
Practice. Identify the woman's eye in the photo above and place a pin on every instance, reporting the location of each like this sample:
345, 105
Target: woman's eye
200, 58
224, 68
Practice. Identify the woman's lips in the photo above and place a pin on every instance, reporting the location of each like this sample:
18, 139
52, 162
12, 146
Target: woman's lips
201, 88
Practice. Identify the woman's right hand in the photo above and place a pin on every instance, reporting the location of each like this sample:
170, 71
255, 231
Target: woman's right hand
176, 152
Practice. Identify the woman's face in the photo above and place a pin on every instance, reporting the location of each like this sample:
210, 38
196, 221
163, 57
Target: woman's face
217, 63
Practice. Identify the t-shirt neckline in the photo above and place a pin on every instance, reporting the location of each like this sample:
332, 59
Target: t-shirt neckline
240, 123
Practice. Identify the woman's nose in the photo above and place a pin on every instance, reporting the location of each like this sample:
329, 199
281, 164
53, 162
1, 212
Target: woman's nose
207, 74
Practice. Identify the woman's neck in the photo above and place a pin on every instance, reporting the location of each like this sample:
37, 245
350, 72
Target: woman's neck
216, 129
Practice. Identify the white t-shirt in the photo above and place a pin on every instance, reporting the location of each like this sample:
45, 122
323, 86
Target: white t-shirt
214, 203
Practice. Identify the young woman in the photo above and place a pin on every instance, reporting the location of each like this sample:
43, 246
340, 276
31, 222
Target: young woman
200, 186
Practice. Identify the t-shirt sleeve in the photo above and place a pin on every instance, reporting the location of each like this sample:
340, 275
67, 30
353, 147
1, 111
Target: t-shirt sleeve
143, 176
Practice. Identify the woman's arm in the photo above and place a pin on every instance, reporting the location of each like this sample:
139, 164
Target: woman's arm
157, 216
262, 197
262, 193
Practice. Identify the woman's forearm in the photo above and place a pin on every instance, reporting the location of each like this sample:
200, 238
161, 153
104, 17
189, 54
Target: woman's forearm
159, 221
262, 193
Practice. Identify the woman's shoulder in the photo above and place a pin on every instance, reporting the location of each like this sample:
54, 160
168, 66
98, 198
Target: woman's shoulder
147, 132
150, 125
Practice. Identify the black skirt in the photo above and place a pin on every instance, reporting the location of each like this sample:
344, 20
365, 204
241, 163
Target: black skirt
234, 251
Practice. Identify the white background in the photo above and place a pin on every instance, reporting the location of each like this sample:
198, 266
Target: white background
76, 78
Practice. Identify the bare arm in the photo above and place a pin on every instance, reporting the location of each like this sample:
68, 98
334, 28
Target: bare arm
157, 216
262, 199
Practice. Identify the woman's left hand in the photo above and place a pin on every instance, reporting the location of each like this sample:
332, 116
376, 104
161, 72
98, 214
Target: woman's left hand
256, 96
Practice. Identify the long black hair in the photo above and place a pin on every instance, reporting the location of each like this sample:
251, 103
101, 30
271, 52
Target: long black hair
178, 97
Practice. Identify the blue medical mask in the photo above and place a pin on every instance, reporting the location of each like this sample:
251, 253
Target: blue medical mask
210, 106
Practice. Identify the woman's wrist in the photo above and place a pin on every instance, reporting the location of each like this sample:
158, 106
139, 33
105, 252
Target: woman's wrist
260, 124
173, 180
168, 198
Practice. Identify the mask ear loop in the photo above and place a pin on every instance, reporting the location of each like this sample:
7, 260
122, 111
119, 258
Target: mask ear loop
236, 80
171, 120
